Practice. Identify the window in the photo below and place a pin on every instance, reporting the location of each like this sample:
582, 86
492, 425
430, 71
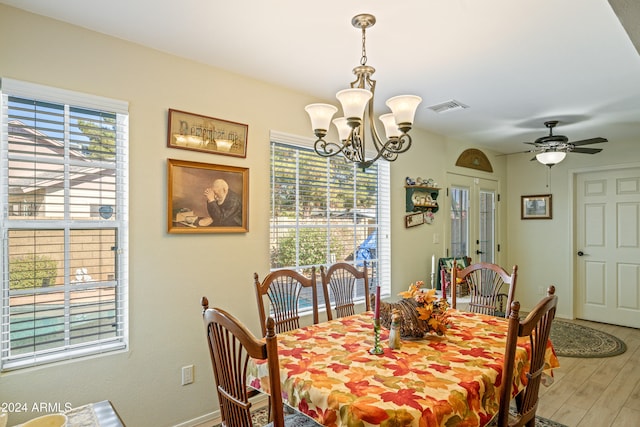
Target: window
325, 210
459, 221
63, 191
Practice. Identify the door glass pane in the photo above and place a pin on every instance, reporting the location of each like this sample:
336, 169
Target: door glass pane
459, 221
487, 226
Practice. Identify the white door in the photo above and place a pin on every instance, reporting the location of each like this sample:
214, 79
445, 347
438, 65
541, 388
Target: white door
472, 228
608, 246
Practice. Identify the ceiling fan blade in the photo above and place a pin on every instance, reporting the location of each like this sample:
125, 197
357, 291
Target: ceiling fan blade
533, 150
560, 143
586, 150
589, 141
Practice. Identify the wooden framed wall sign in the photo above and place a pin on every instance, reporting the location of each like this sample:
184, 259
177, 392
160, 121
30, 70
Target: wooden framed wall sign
414, 220
206, 198
536, 207
207, 134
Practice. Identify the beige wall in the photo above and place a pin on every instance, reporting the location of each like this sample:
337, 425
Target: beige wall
412, 248
544, 249
169, 273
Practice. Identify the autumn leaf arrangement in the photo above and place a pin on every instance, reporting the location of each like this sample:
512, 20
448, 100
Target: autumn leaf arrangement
431, 309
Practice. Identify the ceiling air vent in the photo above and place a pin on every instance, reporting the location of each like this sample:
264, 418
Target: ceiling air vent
451, 105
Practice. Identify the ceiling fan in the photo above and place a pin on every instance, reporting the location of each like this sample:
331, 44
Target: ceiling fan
552, 149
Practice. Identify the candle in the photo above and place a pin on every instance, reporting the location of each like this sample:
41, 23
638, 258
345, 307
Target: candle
377, 309
433, 264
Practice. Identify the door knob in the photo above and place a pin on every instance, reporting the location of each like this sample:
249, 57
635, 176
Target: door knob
580, 253
478, 252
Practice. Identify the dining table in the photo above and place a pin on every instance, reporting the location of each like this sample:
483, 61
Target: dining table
328, 372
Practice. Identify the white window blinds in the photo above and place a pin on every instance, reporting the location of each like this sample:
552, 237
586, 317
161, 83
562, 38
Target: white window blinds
325, 210
63, 191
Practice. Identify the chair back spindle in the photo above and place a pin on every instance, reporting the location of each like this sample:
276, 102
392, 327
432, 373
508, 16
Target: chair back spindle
487, 283
284, 291
340, 281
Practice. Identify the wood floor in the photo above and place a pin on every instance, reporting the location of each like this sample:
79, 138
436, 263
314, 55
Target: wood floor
597, 392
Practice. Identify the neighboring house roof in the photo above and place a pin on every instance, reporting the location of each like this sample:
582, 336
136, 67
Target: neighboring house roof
29, 146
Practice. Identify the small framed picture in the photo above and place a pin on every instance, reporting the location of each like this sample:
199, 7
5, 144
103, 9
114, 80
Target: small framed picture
536, 207
413, 220
207, 134
206, 198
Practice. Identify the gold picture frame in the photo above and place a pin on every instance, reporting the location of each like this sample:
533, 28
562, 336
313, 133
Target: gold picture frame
207, 198
537, 206
196, 132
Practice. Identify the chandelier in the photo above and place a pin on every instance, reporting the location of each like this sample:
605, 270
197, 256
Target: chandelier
355, 102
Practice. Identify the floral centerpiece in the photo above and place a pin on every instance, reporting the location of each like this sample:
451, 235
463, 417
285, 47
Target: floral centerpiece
430, 309
420, 311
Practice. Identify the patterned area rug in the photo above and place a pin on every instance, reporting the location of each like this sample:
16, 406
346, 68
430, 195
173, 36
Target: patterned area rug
540, 422
543, 422
573, 340
260, 419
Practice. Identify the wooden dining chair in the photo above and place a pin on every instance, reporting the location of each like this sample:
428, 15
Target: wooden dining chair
340, 281
488, 284
536, 326
251, 392
443, 277
231, 345
285, 289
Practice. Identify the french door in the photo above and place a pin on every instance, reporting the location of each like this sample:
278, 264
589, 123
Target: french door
472, 207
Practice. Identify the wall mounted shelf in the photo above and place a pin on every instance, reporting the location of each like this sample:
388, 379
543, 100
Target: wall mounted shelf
420, 198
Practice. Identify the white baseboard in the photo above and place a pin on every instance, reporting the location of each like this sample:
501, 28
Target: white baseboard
213, 418
208, 420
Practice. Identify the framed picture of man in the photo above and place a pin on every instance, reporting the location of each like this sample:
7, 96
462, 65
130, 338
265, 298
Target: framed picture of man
207, 198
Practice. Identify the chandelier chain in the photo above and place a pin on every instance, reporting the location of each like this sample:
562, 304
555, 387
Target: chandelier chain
363, 60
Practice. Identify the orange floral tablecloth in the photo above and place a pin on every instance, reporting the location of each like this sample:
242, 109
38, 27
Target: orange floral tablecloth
327, 373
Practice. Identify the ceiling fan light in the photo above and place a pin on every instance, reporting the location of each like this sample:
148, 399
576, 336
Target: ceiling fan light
551, 158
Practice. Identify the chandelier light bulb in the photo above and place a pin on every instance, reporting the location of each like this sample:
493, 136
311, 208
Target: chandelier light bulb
354, 102
320, 115
344, 130
390, 125
404, 108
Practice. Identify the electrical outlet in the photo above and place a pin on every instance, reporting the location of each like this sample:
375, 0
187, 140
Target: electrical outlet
436, 238
187, 374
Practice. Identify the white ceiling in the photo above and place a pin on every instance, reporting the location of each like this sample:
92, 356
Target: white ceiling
515, 63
